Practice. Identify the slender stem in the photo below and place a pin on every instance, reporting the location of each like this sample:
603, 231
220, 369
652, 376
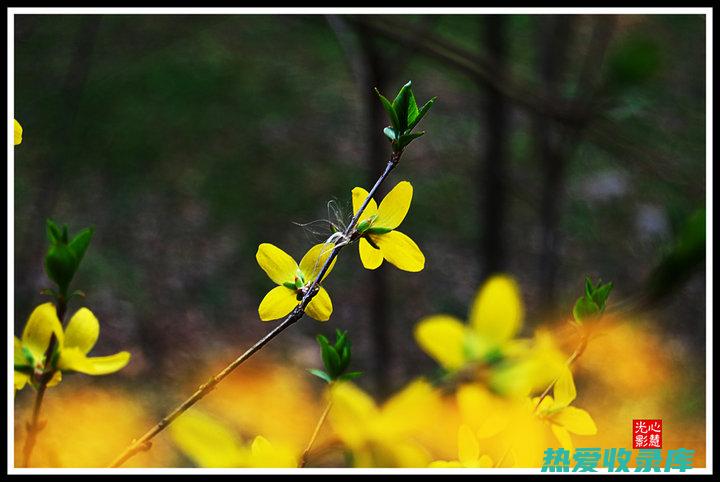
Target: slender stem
144, 442
576, 354
323, 417
34, 426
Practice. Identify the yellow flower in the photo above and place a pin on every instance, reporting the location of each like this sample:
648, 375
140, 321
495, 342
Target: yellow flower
293, 281
18, 132
377, 226
495, 318
468, 453
384, 436
210, 444
72, 346
563, 418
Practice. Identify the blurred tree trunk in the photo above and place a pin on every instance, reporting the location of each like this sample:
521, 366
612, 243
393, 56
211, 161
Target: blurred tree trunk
554, 34
369, 70
494, 158
69, 104
376, 75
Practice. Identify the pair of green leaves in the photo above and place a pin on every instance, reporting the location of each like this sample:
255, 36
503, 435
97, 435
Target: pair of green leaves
404, 116
64, 254
335, 357
593, 302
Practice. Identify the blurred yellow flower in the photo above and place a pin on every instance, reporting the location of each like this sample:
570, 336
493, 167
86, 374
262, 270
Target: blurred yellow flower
210, 444
72, 347
380, 240
87, 426
18, 132
468, 452
557, 412
495, 318
293, 281
384, 436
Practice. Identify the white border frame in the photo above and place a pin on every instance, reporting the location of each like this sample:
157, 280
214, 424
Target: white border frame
708, 12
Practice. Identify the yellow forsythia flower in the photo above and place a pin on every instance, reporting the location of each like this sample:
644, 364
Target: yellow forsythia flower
73, 346
18, 132
293, 281
563, 418
495, 317
468, 453
380, 240
383, 436
211, 444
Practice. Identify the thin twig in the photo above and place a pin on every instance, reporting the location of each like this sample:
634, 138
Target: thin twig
321, 421
144, 442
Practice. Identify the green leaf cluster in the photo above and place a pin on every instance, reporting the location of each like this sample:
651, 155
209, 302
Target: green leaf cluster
593, 302
335, 357
404, 116
64, 254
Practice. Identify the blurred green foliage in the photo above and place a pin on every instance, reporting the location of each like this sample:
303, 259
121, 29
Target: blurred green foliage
188, 140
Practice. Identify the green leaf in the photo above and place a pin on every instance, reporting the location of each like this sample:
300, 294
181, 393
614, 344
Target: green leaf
320, 374
423, 110
390, 133
377, 230
401, 105
584, 309
349, 375
406, 139
53, 231
601, 295
80, 243
589, 288
387, 105
412, 109
60, 266
340, 340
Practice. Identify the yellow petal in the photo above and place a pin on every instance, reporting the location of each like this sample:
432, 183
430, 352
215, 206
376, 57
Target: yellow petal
320, 307
485, 462
18, 355
264, 454
18, 132
497, 310
485, 412
358, 196
395, 206
315, 259
400, 250
442, 337
206, 441
56, 378
277, 303
278, 265
401, 414
575, 420
82, 331
445, 464
43, 322
563, 437
564, 390
75, 360
468, 448
351, 414
371, 258
20, 380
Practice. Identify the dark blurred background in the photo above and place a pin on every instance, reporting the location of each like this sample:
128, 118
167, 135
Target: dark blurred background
559, 147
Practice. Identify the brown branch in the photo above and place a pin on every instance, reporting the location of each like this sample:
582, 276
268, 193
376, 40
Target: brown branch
144, 443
